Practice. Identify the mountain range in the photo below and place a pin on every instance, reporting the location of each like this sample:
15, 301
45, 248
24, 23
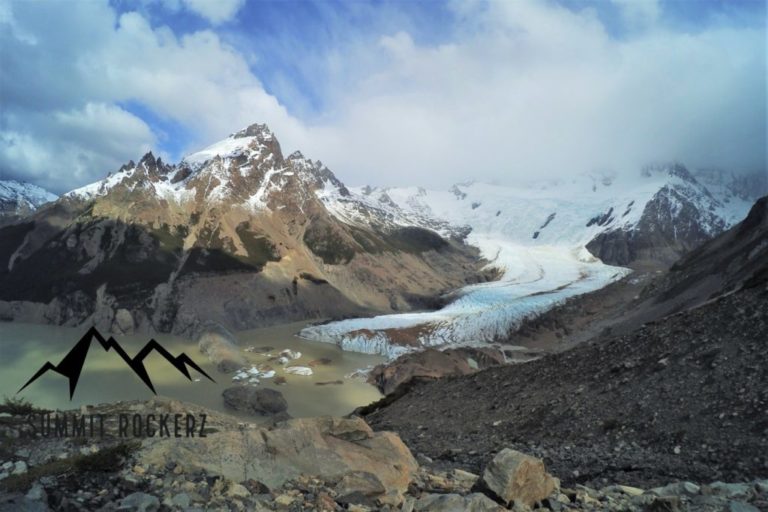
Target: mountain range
19, 199
239, 234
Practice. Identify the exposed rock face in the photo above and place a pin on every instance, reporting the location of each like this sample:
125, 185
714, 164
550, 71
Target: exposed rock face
221, 347
514, 477
236, 234
263, 401
432, 363
679, 217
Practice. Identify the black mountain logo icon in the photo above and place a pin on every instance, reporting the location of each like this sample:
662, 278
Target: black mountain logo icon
72, 364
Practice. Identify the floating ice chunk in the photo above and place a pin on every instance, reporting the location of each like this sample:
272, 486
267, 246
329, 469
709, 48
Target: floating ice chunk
283, 360
268, 374
254, 371
290, 354
240, 376
299, 370
253, 380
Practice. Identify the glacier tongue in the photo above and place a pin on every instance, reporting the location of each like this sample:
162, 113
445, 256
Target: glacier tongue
536, 235
535, 279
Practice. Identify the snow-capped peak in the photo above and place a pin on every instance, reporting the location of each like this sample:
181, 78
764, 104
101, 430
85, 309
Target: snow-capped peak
18, 199
12, 190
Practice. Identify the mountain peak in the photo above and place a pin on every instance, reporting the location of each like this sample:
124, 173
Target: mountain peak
260, 131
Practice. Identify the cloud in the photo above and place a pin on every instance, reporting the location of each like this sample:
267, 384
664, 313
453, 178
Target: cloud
64, 87
215, 11
67, 146
639, 14
506, 91
534, 89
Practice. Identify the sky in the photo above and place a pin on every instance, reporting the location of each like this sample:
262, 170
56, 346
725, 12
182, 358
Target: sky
385, 93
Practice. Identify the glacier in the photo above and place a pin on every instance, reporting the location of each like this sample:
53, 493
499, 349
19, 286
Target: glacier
534, 234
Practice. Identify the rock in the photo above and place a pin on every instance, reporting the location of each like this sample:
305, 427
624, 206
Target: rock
735, 491
139, 470
330, 383
290, 354
664, 504
463, 480
4, 475
123, 322
359, 487
238, 491
514, 477
284, 500
139, 502
37, 493
324, 447
181, 500
254, 400
625, 489
475, 502
432, 363
740, 506
220, 346
299, 370
19, 468
677, 489
324, 503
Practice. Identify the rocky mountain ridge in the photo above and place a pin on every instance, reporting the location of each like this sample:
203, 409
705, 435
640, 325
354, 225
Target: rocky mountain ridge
235, 234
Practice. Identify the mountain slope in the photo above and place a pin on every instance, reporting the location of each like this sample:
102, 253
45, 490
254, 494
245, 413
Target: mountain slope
551, 241
19, 199
679, 398
235, 233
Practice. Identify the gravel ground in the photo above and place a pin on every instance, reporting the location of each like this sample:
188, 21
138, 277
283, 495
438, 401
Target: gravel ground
684, 398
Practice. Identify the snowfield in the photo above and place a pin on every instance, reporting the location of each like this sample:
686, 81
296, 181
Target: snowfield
536, 235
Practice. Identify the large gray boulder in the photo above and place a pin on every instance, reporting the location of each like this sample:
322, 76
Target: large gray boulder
325, 447
475, 502
266, 402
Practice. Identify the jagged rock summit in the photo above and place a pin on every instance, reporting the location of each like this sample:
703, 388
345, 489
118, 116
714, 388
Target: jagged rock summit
235, 233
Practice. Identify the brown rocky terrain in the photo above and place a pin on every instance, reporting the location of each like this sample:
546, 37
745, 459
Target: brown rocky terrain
318, 464
678, 397
245, 239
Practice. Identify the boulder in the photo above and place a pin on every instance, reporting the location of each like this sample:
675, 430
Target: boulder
220, 346
513, 477
299, 370
432, 363
475, 502
139, 502
254, 400
123, 322
359, 487
325, 447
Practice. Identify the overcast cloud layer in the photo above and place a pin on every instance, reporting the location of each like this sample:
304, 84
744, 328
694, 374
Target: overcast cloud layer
511, 90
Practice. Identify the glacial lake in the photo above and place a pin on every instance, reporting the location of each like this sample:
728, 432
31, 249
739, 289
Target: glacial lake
24, 349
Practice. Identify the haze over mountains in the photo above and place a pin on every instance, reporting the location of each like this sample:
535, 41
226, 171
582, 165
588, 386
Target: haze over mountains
239, 234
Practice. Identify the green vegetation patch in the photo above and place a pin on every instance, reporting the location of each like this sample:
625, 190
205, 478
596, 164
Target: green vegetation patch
260, 249
328, 244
